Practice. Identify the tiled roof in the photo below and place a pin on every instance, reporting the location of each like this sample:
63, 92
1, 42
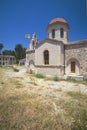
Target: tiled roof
58, 21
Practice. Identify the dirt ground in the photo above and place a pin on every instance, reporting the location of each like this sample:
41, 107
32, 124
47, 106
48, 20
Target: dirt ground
25, 79
30, 103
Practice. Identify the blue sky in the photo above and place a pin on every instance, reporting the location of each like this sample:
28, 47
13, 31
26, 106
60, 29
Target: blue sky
19, 17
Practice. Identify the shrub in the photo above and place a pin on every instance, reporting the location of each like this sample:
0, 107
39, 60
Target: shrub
33, 81
39, 75
56, 78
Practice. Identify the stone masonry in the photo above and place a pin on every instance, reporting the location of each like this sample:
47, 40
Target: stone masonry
78, 51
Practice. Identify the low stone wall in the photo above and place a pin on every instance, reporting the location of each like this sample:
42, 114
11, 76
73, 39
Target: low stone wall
50, 70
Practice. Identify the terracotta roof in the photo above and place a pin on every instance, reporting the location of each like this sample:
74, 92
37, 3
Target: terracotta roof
58, 20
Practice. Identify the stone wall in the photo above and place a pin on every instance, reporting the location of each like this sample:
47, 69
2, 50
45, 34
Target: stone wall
54, 53
50, 70
30, 56
78, 52
56, 58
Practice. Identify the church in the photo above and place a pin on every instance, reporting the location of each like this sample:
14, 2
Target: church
55, 55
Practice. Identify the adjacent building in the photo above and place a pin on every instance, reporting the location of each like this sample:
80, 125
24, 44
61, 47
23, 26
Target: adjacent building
22, 61
7, 60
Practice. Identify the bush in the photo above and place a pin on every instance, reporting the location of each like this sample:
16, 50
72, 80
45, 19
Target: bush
56, 78
39, 75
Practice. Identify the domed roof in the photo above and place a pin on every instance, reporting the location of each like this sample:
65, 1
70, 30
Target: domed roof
58, 20
61, 20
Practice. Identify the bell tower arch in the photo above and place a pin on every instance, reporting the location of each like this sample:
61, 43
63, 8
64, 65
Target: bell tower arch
33, 42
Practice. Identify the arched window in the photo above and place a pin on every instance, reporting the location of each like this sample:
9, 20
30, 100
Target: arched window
46, 57
53, 33
61, 32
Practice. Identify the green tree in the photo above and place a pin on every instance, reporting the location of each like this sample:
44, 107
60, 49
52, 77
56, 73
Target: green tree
8, 52
24, 52
1, 46
19, 52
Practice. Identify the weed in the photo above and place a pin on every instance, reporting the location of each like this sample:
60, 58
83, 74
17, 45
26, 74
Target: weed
39, 75
56, 78
80, 120
33, 109
33, 81
77, 95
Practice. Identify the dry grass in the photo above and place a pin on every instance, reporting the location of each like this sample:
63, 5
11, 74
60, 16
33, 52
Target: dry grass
28, 103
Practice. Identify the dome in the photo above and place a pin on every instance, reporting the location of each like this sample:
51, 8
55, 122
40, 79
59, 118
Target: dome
58, 20
61, 20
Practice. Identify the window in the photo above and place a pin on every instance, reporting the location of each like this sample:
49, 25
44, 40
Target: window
46, 57
61, 33
53, 33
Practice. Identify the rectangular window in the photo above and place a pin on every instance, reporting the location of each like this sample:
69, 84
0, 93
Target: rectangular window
61, 33
53, 33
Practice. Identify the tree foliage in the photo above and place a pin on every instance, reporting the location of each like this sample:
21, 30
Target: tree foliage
20, 52
9, 52
1, 46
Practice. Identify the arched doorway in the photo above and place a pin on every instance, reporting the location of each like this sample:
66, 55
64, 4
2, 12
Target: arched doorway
72, 66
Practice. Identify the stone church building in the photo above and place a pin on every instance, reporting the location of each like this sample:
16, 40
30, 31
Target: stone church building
55, 55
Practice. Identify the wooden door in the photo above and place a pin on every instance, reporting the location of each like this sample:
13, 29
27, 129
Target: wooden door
72, 67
